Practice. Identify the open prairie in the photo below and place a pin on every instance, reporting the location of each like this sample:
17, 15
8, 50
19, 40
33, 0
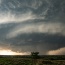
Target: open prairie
27, 60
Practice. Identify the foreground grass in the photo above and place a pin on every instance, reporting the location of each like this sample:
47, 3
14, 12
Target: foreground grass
29, 61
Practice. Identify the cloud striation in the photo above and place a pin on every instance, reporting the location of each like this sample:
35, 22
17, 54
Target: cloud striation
28, 25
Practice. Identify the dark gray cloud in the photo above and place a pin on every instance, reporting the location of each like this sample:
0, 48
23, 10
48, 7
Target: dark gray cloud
32, 25
38, 42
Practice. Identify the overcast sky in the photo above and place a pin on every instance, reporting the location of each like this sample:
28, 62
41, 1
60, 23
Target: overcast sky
33, 25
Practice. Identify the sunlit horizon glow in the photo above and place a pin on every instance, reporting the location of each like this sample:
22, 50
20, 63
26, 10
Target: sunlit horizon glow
10, 52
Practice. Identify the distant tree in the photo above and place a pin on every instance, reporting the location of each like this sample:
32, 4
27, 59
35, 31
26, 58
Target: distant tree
35, 55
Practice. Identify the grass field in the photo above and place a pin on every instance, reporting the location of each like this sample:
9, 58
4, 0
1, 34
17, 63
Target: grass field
44, 60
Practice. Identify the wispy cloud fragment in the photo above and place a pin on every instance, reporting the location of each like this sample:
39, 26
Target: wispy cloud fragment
13, 18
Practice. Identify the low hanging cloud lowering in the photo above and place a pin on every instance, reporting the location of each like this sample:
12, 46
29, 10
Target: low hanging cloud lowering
60, 51
33, 25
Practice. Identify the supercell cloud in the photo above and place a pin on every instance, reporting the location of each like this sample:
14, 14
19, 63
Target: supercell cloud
33, 25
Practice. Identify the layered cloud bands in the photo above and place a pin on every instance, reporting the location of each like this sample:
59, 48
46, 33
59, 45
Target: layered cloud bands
49, 28
33, 25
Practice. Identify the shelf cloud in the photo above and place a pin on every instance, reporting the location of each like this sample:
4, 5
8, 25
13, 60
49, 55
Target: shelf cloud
33, 25
57, 52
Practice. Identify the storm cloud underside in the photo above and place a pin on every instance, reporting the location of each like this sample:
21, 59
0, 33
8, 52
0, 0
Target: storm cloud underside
33, 25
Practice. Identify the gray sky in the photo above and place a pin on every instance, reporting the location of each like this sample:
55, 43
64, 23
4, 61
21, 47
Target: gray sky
33, 25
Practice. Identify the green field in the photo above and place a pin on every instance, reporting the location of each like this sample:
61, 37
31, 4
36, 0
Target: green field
27, 60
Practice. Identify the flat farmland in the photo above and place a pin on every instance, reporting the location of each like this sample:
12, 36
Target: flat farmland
27, 60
